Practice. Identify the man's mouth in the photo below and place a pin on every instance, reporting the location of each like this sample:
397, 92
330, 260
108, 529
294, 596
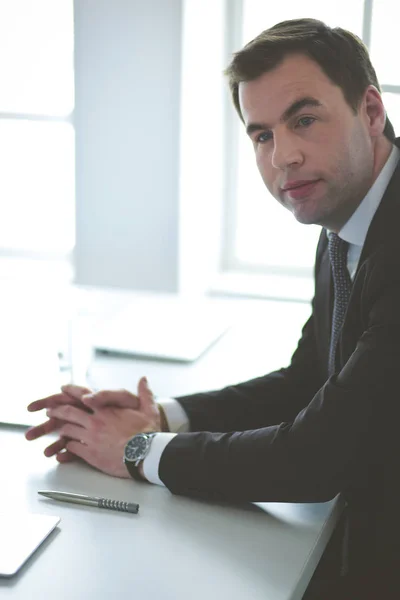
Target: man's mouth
299, 189
292, 185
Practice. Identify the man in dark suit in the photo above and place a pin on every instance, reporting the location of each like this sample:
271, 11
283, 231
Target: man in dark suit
327, 424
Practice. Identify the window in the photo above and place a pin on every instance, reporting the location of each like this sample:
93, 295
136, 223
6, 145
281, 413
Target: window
261, 234
36, 130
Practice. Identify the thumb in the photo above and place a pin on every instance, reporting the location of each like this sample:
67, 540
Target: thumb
146, 397
75, 392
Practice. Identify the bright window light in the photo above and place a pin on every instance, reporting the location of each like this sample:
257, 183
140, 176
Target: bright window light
37, 185
37, 196
36, 57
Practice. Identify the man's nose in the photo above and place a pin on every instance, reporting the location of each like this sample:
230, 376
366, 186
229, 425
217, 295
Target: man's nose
287, 151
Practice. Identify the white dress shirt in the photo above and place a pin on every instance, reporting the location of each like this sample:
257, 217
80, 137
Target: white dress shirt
354, 232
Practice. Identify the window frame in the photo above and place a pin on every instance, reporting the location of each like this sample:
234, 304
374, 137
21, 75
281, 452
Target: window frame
19, 263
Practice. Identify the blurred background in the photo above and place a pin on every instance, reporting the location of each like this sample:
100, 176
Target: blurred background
122, 161
125, 170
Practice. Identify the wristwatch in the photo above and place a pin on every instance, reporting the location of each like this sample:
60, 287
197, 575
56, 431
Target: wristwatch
136, 450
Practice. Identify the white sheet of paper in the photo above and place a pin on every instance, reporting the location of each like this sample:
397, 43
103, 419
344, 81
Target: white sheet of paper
21, 535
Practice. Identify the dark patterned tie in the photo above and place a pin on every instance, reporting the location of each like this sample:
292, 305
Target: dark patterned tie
342, 287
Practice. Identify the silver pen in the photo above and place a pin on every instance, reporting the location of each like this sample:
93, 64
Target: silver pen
130, 507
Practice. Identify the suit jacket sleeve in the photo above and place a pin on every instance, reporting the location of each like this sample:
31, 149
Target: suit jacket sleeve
263, 401
266, 400
346, 430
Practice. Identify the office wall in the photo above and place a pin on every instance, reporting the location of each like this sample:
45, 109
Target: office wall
127, 118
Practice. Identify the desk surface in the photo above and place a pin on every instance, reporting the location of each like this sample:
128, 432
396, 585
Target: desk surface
175, 544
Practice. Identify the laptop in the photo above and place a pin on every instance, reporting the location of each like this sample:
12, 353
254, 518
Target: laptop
164, 327
21, 536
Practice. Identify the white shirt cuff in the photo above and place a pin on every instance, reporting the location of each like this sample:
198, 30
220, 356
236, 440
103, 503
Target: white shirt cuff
152, 460
176, 417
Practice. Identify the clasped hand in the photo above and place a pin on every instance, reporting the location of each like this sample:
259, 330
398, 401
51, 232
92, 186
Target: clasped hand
95, 426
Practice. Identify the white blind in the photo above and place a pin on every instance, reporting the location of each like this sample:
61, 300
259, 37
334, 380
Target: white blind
36, 132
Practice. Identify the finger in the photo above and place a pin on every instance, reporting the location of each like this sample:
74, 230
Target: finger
73, 432
56, 447
65, 456
75, 391
51, 401
70, 414
80, 450
146, 397
119, 398
47, 427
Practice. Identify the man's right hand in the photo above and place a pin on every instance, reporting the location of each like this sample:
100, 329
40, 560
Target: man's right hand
88, 401
71, 395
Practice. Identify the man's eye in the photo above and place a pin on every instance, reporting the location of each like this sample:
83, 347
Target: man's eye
264, 137
305, 121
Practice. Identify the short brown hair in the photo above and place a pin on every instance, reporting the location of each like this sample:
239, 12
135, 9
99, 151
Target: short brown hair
341, 55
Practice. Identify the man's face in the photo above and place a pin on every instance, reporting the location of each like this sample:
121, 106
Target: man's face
314, 154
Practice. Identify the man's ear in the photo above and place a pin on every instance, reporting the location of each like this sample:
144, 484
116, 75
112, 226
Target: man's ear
374, 110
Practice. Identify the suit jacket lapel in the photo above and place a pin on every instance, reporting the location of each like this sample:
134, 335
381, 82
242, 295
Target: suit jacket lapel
323, 300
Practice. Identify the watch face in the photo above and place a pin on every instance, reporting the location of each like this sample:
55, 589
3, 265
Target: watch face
136, 448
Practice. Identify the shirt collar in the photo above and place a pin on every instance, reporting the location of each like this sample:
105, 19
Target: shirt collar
356, 228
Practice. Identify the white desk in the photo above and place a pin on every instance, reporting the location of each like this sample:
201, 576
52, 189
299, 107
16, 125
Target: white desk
175, 544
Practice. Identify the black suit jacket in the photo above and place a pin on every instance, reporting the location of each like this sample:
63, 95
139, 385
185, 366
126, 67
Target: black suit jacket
295, 435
